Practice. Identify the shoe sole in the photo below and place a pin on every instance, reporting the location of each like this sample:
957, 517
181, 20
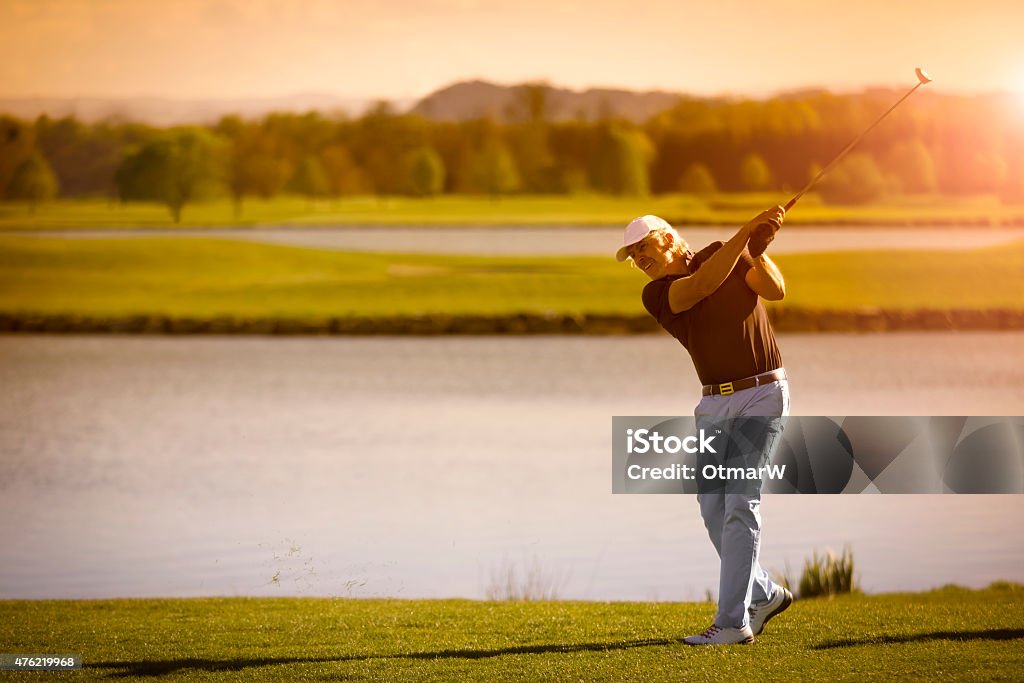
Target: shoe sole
748, 641
786, 602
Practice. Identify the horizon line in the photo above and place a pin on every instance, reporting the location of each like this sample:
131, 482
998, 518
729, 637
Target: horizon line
726, 94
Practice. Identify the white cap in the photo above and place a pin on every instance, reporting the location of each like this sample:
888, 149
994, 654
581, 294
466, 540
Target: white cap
638, 229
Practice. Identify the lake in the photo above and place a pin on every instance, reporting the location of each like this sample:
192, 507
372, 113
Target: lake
569, 241
428, 467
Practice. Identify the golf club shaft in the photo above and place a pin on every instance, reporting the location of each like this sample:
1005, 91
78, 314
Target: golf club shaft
853, 143
922, 78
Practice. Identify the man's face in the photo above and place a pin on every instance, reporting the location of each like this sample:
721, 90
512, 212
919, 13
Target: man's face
652, 254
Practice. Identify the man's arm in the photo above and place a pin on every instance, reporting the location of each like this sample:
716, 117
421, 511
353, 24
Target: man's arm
685, 292
765, 279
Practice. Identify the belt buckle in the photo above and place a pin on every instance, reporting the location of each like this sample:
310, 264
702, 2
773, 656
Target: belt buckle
726, 388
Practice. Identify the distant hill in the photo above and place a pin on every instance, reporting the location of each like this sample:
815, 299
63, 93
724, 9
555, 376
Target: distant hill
458, 102
473, 99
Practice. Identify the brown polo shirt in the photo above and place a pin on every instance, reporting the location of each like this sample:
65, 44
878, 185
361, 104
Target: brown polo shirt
727, 333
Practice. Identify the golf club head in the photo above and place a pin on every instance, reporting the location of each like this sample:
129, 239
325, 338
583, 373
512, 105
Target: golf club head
922, 76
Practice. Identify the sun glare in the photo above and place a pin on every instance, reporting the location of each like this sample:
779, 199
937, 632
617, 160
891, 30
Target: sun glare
1018, 89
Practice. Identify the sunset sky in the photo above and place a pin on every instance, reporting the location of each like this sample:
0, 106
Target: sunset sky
402, 49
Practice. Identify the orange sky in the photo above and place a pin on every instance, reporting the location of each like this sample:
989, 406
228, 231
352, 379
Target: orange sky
407, 48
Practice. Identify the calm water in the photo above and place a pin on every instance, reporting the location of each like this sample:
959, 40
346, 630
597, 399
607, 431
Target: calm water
595, 241
424, 467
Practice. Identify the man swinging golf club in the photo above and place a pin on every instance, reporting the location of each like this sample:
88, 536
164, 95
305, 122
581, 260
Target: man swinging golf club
711, 302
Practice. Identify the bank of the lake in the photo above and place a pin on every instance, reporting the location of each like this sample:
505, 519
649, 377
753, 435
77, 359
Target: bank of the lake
196, 285
783, 320
537, 210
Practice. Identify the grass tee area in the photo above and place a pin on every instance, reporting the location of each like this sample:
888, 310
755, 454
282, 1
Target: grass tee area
207, 277
948, 634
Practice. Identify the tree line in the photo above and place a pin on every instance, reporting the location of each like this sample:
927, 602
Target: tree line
941, 144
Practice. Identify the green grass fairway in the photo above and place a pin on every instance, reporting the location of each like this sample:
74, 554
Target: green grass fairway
723, 209
949, 634
203, 277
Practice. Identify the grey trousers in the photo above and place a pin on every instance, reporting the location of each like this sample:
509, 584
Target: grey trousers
733, 520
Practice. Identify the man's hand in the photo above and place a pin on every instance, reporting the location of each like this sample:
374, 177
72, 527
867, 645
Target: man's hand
761, 238
763, 228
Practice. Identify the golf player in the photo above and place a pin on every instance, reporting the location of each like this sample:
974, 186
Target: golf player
711, 302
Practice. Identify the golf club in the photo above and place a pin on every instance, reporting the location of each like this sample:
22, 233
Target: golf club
922, 78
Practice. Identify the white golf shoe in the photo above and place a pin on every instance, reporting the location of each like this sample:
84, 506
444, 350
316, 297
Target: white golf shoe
761, 613
716, 635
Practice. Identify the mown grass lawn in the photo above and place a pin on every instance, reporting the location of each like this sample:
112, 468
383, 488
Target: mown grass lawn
207, 277
948, 634
721, 209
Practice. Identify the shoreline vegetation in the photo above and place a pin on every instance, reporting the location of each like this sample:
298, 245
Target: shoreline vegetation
784, 320
525, 210
489, 146
170, 285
